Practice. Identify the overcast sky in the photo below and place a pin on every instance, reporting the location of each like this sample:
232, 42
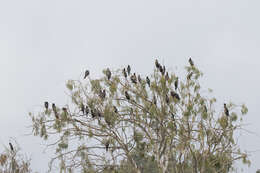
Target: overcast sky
44, 43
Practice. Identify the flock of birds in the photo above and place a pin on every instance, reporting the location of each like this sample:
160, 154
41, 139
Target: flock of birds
134, 79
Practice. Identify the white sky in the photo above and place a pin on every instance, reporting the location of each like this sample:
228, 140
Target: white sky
44, 43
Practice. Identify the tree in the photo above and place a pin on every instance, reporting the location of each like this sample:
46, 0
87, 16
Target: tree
161, 122
11, 161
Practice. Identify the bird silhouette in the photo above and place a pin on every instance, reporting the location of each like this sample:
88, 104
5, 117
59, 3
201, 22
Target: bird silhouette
176, 83
175, 95
191, 62
189, 75
128, 69
164, 70
139, 79
107, 146
82, 108
115, 109
86, 110
102, 94
154, 100
133, 79
148, 81
11, 146
124, 73
86, 74
167, 76
127, 95
46, 105
55, 110
167, 99
226, 110
108, 74
157, 65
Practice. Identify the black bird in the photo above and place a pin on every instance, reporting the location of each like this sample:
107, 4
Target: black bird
148, 81
102, 94
226, 110
189, 75
127, 95
82, 108
128, 69
115, 109
65, 110
154, 100
124, 73
157, 65
46, 105
167, 76
139, 79
86, 110
161, 69
108, 74
93, 113
175, 95
164, 70
133, 79
205, 108
107, 146
167, 99
173, 117
86, 74
191, 62
55, 110
176, 83
11, 146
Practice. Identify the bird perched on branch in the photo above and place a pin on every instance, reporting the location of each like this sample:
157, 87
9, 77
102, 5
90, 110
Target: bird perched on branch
167, 99
108, 73
127, 95
157, 65
46, 105
148, 81
167, 76
86, 110
124, 73
11, 146
82, 108
107, 146
176, 83
189, 75
175, 95
191, 62
128, 69
133, 79
102, 94
226, 110
86, 74
115, 109
139, 79
55, 110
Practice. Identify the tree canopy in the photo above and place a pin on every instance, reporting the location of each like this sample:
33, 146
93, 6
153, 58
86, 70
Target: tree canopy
126, 122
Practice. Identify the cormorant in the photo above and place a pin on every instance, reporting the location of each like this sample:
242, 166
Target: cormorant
127, 95
108, 74
128, 69
115, 109
226, 110
133, 79
189, 75
86, 74
107, 146
157, 65
148, 81
167, 76
176, 83
46, 105
191, 62
124, 73
175, 95
11, 146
